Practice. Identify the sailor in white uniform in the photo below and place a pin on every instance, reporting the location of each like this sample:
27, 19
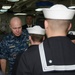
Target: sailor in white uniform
56, 55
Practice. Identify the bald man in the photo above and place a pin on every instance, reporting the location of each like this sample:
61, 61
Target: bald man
14, 43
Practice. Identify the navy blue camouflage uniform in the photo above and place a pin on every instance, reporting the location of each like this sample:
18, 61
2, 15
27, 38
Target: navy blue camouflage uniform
11, 46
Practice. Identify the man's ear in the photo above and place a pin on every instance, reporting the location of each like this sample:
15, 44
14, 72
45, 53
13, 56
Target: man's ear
29, 37
10, 26
46, 24
43, 37
70, 26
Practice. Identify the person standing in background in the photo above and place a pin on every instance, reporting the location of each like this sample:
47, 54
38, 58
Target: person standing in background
14, 43
56, 54
29, 22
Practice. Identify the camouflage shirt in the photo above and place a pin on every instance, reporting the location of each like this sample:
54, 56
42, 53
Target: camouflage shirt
11, 46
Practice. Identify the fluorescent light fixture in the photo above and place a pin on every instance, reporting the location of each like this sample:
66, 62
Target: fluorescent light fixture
3, 10
13, 0
73, 7
38, 9
6, 7
20, 14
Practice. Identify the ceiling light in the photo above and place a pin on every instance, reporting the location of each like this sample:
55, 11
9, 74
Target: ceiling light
20, 14
38, 9
3, 10
72, 7
13, 0
6, 7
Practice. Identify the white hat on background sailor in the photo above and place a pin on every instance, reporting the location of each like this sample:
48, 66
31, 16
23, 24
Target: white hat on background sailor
58, 11
36, 30
71, 35
71, 32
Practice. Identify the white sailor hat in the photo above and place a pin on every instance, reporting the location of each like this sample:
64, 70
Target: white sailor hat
71, 35
71, 32
36, 30
58, 11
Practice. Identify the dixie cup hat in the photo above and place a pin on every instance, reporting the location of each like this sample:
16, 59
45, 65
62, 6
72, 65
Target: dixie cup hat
36, 30
58, 11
